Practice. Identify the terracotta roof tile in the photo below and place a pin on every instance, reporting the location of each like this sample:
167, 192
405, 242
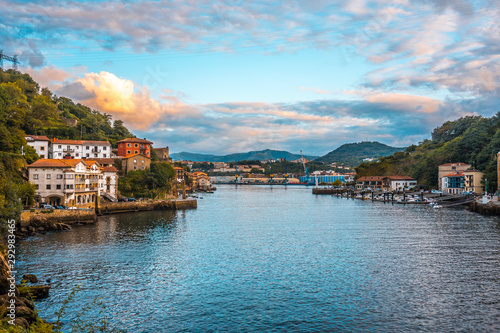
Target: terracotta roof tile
109, 169
135, 140
38, 137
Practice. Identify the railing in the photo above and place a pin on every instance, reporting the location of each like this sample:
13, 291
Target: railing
66, 150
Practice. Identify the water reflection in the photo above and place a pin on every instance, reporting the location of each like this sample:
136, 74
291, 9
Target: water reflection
279, 259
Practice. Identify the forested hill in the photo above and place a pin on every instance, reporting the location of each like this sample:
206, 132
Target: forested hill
352, 154
260, 155
27, 109
474, 140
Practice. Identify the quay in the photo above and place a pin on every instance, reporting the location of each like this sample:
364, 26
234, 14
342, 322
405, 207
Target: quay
39, 221
398, 197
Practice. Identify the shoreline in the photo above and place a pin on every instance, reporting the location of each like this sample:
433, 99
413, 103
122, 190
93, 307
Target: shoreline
40, 222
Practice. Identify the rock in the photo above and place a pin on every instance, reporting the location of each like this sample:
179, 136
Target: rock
38, 292
30, 278
24, 311
4, 285
22, 322
49, 280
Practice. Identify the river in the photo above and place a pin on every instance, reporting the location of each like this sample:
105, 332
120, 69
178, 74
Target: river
274, 259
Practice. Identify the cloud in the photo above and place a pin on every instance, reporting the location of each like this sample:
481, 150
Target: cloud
124, 100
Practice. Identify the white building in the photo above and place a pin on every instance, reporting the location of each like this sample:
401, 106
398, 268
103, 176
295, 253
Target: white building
40, 143
79, 149
70, 182
400, 183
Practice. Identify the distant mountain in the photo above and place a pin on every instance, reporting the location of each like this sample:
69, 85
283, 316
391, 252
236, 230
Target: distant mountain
251, 155
352, 154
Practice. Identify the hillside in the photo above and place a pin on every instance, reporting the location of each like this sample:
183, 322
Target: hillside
251, 155
27, 109
474, 140
352, 154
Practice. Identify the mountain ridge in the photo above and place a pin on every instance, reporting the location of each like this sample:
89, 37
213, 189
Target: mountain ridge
352, 154
265, 154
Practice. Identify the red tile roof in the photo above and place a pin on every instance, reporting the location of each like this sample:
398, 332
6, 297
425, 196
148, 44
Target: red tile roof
400, 178
38, 137
455, 174
109, 169
128, 156
135, 140
67, 142
90, 143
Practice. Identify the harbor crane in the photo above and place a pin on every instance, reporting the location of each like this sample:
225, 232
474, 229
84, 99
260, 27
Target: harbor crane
12, 59
306, 171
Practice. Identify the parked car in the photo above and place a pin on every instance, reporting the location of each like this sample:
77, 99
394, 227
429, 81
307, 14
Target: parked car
48, 207
122, 199
132, 199
72, 208
61, 207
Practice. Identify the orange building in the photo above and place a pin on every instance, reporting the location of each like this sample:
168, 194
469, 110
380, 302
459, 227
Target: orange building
131, 146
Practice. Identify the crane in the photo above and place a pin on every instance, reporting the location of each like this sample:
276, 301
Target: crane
305, 167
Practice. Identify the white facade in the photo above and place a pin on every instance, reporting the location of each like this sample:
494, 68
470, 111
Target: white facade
61, 148
96, 149
403, 184
40, 144
69, 182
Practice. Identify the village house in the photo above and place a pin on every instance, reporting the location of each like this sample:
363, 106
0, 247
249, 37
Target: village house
132, 146
449, 168
200, 181
79, 149
70, 182
387, 183
135, 162
472, 181
163, 154
179, 174
40, 143
453, 183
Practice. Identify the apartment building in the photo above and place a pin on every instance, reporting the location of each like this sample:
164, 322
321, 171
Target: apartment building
70, 182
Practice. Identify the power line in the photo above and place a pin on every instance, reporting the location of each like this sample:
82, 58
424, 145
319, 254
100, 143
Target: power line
12, 59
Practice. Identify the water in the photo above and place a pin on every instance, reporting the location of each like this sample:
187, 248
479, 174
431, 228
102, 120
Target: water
274, 259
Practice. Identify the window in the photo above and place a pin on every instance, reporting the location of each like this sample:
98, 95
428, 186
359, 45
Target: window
135, 168
59, 146
59, 154
147, 153
135, 161
128, 151
136, 145
104, 148
69, 176
47, 187
42, 156
128, 144
135, 152
142, 161
42, 148
103, 155
95, 155
58, 187
88, 147
87, 155
60, 176
36, 186
47, 176
35, 176
77, 154
68, 147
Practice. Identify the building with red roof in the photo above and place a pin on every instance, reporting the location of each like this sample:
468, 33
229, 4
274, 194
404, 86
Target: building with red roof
131, 146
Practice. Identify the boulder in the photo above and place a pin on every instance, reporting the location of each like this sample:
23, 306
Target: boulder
30, 278
38, 292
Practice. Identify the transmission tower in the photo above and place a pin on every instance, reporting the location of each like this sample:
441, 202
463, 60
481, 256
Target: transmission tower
12, 59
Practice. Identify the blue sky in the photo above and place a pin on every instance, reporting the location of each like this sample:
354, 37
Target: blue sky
229, 76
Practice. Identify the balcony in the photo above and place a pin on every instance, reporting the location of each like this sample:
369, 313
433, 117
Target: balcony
95, 151
66, 150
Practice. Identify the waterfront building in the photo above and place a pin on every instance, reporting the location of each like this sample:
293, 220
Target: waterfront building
324, 178
40, 143
70, 182
135, 162
472, 181
200, 180
453, 183
109, 182
163, 154
386, 183
79, 149
448, 168
179, 174
132, 146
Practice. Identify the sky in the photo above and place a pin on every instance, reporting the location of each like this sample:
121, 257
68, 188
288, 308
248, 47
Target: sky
231, 76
